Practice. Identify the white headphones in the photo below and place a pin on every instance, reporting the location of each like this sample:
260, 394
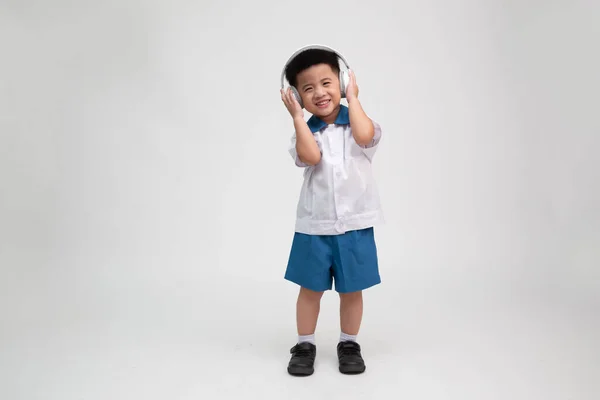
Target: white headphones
344, 76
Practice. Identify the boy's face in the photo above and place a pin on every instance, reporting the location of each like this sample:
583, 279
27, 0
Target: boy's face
319, 88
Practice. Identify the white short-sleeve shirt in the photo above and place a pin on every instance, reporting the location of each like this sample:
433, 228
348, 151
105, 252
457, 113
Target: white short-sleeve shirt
339, 194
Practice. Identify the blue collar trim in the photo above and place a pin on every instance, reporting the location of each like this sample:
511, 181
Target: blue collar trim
316, 124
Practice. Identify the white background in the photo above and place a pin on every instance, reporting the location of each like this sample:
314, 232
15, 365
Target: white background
147, 199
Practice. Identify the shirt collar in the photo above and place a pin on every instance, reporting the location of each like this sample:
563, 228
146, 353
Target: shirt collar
316, 124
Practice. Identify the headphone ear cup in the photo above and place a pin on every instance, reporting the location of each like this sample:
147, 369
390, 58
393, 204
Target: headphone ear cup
297, 96
344, 81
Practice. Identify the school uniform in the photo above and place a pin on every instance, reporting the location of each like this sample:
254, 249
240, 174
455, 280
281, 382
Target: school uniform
336, 213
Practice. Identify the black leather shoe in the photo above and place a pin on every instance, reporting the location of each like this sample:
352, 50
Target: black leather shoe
303, 359
350, 359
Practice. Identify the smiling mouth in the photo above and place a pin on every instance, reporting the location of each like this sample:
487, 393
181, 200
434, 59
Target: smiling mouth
323, 104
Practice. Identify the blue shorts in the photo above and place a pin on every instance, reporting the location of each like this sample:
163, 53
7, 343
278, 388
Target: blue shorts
351, 259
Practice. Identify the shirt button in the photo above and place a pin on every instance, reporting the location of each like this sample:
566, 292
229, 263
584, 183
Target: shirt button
339, 226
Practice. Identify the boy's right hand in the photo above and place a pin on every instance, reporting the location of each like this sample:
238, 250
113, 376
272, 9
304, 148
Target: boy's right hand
292, 104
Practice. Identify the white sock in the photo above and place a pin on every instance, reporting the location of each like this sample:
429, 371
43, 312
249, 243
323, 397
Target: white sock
347, 338
306, 338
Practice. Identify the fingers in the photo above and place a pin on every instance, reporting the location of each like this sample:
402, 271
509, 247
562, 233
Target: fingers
352, 86
290, 101
285, 96
293, 99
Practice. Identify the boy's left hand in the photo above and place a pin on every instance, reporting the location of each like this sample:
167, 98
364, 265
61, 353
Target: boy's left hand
352, 89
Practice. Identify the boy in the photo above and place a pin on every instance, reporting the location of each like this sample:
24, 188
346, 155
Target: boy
338, 205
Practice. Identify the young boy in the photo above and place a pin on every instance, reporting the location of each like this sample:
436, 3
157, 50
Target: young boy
338, 205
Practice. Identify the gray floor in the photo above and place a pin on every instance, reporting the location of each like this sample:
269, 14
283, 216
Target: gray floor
425, 347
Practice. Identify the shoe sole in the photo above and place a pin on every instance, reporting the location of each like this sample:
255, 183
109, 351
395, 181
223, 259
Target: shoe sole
299, 371
353, 370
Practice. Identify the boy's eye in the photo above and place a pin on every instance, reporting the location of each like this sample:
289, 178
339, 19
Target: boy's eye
326, 83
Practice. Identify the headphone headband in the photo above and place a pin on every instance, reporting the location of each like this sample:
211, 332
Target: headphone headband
310, 47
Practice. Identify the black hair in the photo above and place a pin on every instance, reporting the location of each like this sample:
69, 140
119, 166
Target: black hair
307, 59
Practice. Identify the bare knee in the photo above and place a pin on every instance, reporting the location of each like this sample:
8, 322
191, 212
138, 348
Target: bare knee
351, 297
310, 295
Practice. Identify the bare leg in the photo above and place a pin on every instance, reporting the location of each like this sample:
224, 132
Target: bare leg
349, 352
351, 311
307, 311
